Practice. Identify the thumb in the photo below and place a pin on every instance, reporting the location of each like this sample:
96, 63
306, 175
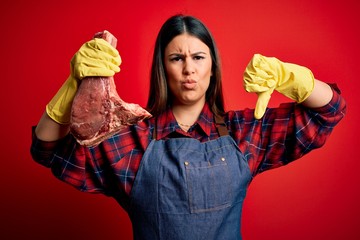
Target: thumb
261, 104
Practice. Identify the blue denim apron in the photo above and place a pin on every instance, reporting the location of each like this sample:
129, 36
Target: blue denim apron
185, 189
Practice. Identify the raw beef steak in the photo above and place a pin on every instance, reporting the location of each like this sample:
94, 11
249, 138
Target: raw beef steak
98, 112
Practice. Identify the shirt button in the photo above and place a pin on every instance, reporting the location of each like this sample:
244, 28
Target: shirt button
223, 159
186, 163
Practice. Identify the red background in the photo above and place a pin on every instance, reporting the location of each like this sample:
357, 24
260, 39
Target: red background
316, 197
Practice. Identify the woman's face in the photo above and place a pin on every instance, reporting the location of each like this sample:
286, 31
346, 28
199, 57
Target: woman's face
188, 68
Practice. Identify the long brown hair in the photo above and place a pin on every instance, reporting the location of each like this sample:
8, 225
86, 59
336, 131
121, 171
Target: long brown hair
159, 99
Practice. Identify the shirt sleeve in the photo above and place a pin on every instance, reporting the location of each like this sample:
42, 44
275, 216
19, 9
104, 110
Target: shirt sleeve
93, 169
285, 133
67, 160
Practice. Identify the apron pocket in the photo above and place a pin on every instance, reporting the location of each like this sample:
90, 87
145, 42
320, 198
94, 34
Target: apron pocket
209, 186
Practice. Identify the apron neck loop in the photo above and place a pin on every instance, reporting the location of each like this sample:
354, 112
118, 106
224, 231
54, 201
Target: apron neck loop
221, 126
219, 123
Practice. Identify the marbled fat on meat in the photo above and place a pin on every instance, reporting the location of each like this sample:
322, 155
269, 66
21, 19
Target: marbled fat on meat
98, 112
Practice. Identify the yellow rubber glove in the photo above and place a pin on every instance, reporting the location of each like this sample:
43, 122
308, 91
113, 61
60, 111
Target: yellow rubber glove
59, 107
95, 58
263, 75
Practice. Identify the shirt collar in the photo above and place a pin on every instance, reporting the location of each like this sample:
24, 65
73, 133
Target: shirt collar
166, 123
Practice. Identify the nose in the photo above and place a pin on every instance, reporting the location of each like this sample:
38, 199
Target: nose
189, 67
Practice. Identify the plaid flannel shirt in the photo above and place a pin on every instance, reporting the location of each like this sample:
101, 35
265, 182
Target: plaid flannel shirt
284, 134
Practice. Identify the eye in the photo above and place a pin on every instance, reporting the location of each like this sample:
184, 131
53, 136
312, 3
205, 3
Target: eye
176, 59
199, 57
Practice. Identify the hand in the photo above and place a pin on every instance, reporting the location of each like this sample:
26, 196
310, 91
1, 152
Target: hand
95, 58
263, 75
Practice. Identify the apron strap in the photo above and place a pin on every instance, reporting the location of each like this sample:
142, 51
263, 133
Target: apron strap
221, 126
155, 130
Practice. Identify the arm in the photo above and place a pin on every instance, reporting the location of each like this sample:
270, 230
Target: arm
52, 146
263, 75
290, 131
320, 96
49, 130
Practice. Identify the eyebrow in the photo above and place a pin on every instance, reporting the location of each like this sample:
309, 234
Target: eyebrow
193, 54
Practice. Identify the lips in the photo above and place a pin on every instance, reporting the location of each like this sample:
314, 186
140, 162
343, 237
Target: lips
189, 84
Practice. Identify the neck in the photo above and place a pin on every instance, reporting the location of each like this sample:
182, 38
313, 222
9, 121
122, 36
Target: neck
187, 115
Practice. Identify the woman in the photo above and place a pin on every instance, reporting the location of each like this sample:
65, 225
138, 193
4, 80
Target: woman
183, 174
